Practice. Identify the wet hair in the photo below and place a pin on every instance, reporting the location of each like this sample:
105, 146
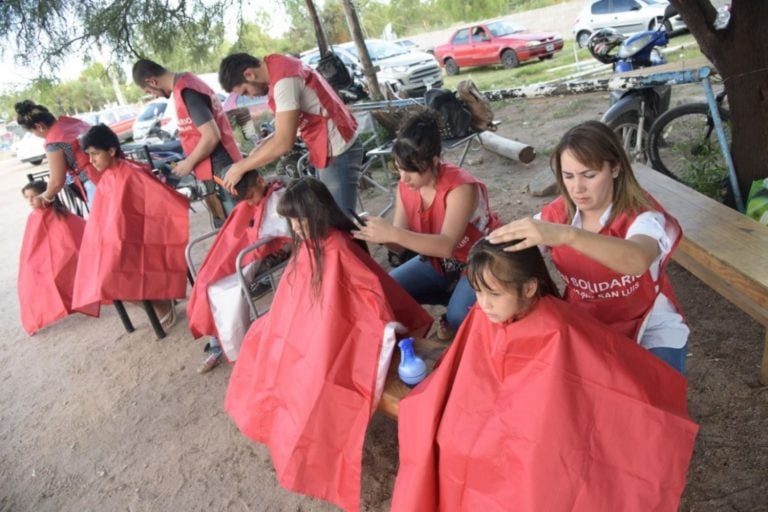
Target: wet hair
512, 269
144, 69
593, 144
418, 142
232, 68
101, 137
29, 113
38, 187
308, 198
249, 180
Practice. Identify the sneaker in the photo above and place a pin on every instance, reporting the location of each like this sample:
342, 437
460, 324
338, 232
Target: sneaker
444, 330
211, 361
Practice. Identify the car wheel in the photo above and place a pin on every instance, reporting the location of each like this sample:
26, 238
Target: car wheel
583, 38
655, 23
451, 68
36, 162
509, 59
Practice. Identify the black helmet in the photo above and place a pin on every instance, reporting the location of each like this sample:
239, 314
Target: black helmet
602, 43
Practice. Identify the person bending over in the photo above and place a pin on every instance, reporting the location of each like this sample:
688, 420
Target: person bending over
304, 104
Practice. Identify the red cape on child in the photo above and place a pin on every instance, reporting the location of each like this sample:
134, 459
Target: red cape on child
305, 379
134, 240
239, 231
47, 266
553, 412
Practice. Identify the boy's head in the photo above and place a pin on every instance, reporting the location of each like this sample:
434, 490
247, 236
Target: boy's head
507, 283
102, 146
251, 188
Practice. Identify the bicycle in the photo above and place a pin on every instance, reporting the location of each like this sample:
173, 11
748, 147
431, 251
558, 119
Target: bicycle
682, 144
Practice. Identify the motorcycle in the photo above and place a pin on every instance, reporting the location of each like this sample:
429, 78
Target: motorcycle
632, 112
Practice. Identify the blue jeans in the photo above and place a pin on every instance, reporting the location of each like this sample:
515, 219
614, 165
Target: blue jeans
427, 286
674, 357
342, 174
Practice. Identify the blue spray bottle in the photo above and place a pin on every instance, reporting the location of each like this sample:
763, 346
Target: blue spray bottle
411, 369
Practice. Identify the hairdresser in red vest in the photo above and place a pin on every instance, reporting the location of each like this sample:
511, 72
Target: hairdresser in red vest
610, 241
204, 130
304, 104
62, 150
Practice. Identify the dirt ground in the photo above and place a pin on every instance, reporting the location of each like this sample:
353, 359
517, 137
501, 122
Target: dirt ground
93, 418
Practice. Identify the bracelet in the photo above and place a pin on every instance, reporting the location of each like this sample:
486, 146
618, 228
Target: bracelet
45, 198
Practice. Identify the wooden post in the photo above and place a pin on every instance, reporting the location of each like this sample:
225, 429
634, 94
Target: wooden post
322, 42
507, 147
357, 36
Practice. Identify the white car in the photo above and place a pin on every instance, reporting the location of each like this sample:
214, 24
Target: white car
30, 149
626, 16
149, 118
412, 72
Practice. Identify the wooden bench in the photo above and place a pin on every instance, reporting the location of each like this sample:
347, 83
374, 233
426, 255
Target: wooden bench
394, 389
726, 250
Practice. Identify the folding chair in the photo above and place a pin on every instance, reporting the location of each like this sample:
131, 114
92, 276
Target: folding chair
374, 155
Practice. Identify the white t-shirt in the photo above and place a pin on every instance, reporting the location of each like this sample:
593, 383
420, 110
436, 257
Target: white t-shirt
292, 93
664, 326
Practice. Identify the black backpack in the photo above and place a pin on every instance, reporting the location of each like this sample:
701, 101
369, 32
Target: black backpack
332, 68
456, 119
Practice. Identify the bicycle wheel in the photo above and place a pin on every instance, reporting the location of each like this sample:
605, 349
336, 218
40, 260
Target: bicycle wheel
683, 145
625, 127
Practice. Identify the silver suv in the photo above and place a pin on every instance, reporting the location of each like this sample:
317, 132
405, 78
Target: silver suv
411, 72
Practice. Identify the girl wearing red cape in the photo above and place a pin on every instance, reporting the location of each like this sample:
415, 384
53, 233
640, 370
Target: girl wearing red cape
48, 261
538, 406
255, 217
305, 382
134, 240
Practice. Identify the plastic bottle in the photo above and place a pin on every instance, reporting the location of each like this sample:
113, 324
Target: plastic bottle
412, 368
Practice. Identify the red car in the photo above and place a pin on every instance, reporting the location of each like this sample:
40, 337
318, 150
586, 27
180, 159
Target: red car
498, 42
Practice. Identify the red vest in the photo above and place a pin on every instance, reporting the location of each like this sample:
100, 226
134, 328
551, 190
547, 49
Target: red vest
621, 301
430, 221
313, 128
190, 136
66, 130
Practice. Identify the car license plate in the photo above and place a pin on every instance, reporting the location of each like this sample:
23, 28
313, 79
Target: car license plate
550, 47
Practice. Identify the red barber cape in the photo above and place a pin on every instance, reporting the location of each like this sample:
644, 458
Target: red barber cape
239, 231
134, 240
305, 378
554, 412
47, 266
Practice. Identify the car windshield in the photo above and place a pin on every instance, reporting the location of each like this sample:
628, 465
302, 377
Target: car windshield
378, 50
503, 28
153, 111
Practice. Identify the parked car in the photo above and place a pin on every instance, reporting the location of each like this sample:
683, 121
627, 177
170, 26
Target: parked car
626, 16
149, 118
30, 149
498, 42
119, 119
412, 72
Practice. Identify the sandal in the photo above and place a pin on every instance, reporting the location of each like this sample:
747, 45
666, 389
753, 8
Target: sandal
169, 319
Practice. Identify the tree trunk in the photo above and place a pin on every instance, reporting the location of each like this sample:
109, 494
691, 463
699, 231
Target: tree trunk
357, 36
322, 41
740, 54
